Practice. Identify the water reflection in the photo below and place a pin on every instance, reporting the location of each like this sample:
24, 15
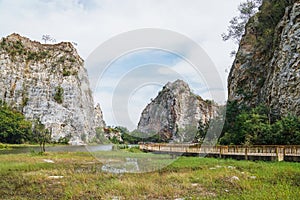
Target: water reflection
111, 160
129, 166
66, 148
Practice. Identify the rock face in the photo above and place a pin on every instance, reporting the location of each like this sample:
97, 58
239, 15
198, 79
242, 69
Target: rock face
174, 110
274, 79
49, 83
99, 117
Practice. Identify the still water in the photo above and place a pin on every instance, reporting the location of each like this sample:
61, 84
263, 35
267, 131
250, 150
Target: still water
92, 148
112, 160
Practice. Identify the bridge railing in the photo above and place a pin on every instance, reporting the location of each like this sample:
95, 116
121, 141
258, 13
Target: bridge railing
292, 150
263, 150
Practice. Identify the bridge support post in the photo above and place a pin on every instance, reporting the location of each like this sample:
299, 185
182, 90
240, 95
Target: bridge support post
221, 152
280, 153
246, 153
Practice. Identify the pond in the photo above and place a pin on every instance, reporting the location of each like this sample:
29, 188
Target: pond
59, 148
113, 160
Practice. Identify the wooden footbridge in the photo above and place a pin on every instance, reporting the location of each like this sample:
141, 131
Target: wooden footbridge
256, 152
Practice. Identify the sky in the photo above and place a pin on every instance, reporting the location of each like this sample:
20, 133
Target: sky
128, 81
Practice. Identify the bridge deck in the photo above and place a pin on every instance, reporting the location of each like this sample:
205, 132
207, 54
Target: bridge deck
277, 151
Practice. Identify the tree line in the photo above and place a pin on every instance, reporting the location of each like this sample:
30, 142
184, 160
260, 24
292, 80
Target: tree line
250, 126
15, 129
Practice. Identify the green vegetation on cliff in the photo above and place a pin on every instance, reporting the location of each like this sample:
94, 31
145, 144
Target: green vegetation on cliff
270, 14
58, 96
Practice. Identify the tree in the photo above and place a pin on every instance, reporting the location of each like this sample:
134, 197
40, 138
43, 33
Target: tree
286, 131
254, 127
121, 129
237, 24
48, 38
41, 134
14, 128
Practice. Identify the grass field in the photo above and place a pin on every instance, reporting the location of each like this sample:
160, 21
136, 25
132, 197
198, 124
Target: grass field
78, 175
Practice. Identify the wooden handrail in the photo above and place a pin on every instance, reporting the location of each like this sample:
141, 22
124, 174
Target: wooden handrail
259, 150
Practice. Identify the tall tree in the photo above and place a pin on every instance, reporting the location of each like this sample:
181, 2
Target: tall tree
41, 134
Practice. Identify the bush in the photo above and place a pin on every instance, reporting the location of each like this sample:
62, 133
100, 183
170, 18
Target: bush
31, 56
134, 150
61, 59
58, 96
64, 140
14, 129
66, 72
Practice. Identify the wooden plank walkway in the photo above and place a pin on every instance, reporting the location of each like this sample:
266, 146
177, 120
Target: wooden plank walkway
256, 152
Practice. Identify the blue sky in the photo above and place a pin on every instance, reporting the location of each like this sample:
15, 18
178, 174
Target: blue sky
135, 78
90, 23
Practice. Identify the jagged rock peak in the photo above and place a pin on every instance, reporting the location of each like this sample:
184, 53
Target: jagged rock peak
175, 111
178, 86
49, 83
99, 116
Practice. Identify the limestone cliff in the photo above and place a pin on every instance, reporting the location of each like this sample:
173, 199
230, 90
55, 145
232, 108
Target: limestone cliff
48, 82
269, 74
175, 109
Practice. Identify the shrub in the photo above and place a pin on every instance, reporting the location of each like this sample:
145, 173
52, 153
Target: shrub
14, 128
31, 56
58, 96
66, 72
64, 140
61, 59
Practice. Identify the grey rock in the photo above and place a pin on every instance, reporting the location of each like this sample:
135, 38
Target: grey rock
274, 80
174, 112
32, 73
234, 178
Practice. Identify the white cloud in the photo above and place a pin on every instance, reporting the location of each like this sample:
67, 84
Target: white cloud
91, 22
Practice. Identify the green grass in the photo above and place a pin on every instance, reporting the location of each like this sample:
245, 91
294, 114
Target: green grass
11, 146
28, 176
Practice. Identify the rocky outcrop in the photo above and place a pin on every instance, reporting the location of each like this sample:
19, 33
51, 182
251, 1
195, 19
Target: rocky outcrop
113, 135
99, 121
49, 83
270, 76
174, 111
